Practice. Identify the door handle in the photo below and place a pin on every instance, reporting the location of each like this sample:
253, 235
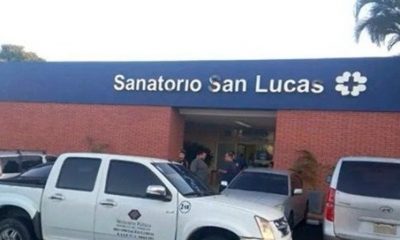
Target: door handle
108, 203
58, 197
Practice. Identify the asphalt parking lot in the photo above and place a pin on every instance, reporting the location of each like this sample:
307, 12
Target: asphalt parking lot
307, 232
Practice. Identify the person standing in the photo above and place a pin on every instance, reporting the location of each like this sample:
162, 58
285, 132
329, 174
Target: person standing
199, 167
229, 169
241, 162
182, 159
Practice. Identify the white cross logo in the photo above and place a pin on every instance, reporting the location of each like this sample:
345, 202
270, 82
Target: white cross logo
351, 84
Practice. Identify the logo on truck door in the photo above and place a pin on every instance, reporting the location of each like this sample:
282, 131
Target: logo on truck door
185, 207
134, 214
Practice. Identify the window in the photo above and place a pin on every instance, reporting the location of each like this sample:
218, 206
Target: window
129, 179
372, 179
41, 171
261, 182
10, 165
183, 179
79, 174
50, 158
29, 162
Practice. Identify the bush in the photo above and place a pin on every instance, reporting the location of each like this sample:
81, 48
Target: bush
306, 166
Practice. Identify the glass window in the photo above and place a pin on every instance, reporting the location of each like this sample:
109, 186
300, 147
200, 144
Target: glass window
79, 174
29, 162
41, 171
372, 179
10, 164
129, 179
261, 182
183, 179
50, 158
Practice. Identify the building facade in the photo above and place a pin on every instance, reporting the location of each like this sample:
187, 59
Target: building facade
330, 107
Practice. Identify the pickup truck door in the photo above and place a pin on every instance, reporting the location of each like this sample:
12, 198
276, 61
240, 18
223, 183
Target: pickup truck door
68, 203
125, 212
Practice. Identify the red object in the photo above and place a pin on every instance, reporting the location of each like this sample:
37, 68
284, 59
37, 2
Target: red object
330, 205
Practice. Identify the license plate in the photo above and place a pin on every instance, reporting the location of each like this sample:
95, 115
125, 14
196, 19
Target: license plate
385, 229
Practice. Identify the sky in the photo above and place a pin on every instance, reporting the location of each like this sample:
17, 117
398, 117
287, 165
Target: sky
132, 30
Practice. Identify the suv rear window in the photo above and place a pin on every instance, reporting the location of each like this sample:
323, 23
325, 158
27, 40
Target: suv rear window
372, 179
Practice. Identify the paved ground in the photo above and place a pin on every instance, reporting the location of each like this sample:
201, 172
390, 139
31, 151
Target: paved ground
307, 232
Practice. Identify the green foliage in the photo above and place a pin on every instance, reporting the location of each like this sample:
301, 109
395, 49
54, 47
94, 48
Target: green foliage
306, 166
15, 53
95, 146
380, 19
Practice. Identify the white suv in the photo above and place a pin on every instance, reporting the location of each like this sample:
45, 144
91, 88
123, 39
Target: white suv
364, 200
15, 162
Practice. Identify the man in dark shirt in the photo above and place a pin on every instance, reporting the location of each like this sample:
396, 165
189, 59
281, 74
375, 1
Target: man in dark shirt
229, 168
241, 162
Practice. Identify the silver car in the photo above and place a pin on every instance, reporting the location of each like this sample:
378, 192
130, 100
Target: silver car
364, 200
15, 162
282, 190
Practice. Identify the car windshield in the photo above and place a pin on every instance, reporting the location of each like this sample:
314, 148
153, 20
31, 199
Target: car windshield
372, 179
41, 171
184, 180
261, 182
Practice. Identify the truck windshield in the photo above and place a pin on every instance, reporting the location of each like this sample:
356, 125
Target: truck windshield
184, 180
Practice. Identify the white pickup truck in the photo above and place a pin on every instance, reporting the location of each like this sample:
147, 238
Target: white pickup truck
110, 197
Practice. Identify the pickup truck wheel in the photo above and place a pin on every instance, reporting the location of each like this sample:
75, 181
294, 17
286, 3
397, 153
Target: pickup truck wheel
14, 229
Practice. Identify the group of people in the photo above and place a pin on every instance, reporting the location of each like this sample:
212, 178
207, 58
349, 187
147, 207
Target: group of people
231, 166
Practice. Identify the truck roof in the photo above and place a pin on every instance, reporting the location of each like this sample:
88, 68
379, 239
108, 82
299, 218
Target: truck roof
112, 156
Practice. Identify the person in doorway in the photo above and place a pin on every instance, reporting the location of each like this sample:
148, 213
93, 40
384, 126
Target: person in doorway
229, 169
199, 167
182, 159
241, 162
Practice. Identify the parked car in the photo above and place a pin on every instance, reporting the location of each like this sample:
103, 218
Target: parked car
282, 190
364, 199
15, 162
111, 197
37, 174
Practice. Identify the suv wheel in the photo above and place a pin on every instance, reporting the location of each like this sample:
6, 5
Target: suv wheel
14, 229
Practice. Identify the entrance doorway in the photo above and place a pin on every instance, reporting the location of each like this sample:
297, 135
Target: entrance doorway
250, 134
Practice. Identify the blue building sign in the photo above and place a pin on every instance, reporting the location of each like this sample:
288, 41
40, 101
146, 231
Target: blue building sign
360, 84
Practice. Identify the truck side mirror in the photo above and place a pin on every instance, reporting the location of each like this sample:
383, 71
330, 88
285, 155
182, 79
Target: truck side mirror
157, 192
297, 191
223, 185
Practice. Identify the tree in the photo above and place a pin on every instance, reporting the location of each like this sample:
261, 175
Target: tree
15, 53
380, 19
